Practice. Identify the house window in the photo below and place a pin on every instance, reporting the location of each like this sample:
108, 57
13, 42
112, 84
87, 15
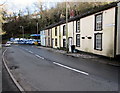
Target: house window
98, 22
78, 40
98, 41
55, 31
64, 43
78, 26
56, 42
48, 41
64, 30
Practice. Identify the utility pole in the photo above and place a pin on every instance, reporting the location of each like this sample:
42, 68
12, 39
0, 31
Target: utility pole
37, 30
22, 30
37, 21
66, 26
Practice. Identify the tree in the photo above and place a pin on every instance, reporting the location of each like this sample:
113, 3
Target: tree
1, 18
47, 17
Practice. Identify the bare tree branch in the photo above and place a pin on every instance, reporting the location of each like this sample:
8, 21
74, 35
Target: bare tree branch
3, 3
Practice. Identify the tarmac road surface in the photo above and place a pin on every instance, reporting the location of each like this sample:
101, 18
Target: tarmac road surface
43, 70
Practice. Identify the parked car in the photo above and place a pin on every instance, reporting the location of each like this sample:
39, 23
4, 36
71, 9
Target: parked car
30, 42
36, 42
15, 42
21, 42
7, 44
39, 43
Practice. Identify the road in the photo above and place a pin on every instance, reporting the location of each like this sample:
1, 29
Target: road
38, 69
7, 84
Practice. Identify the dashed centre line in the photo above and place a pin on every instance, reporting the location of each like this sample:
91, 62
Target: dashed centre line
61, 65
73, 69
39, 56
30, 51
33, 53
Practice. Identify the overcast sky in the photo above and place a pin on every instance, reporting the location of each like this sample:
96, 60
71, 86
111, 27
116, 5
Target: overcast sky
16, 5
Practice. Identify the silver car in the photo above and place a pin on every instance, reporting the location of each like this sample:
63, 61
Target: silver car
7, 44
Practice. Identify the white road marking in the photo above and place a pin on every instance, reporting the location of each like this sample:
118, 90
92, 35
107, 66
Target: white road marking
39, 56
30, 51
73, 69
42, 58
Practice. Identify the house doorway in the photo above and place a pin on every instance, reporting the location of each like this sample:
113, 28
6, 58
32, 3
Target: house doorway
52, 42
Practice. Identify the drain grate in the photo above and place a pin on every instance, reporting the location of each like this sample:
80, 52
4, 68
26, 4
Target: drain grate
13, 67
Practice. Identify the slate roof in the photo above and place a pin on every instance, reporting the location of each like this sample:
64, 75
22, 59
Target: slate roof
92, 11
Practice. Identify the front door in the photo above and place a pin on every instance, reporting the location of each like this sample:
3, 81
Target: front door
52, 42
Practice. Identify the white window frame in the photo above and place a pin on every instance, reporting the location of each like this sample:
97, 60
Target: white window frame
77, 26
98, 22
98, 41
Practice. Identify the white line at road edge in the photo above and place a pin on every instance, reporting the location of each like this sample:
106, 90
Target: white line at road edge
73, 69
39, 56
12, 77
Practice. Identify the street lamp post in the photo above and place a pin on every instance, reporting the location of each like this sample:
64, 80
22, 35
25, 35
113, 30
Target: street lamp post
37, 21
37, 30
66, 27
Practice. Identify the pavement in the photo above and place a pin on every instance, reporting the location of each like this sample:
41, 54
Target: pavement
102, 59
39, 69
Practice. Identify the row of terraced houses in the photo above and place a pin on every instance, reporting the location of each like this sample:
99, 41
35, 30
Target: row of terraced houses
96, 32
